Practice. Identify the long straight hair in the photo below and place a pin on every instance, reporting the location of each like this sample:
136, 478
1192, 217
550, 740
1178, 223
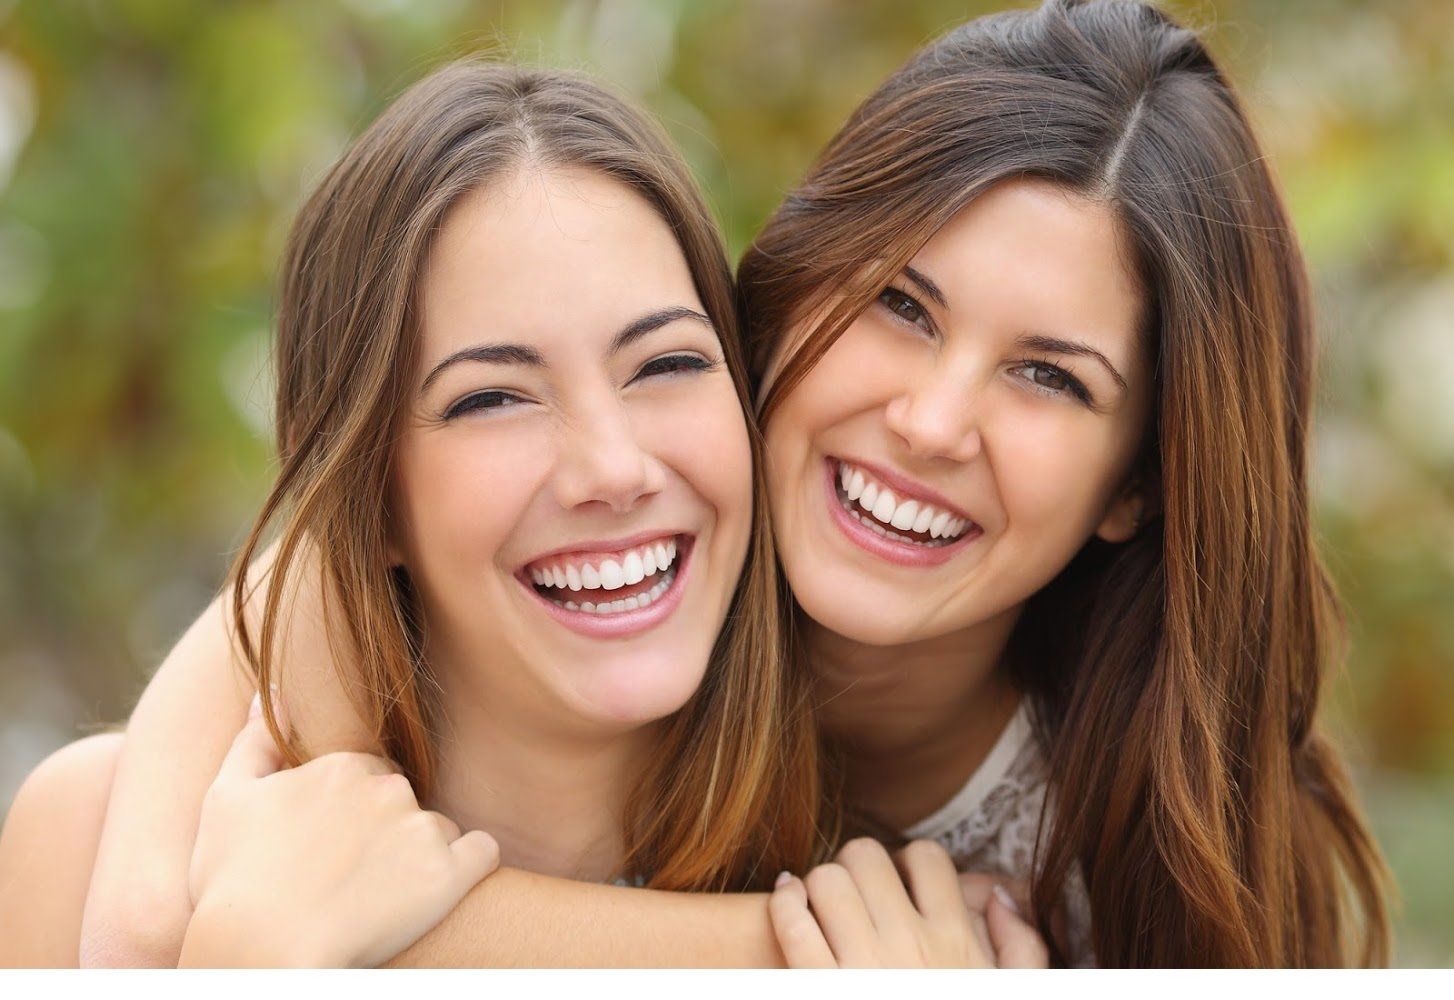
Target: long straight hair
1176, 676
733, 795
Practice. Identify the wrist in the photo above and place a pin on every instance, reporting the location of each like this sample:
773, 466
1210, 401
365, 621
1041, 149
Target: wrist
230, 935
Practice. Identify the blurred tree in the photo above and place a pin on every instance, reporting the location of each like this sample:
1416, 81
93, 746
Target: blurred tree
152, 152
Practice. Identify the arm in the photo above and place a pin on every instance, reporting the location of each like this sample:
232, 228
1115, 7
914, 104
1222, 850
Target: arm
520, 919
47, 848
139, 907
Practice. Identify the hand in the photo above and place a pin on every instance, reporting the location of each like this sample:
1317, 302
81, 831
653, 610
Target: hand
858, 912
331, 863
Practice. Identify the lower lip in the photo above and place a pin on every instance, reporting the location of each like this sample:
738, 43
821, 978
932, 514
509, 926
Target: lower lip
624, 623
898, 553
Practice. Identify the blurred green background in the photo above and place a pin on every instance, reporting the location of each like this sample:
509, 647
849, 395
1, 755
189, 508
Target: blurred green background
152, 153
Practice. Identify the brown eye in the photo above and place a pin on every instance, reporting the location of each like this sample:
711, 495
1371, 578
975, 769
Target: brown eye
1050, 378
903, 306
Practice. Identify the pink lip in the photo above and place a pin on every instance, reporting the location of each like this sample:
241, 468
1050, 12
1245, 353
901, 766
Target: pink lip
624, 623
899, 553
615, 546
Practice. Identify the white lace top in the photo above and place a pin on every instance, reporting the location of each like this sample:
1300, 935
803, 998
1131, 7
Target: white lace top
990, 824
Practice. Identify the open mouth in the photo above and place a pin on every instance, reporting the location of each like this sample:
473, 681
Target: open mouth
892, 515
609, 593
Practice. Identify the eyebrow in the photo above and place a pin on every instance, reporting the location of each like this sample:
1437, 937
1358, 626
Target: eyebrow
1055, 345
926, 285
520, 354
1033, 341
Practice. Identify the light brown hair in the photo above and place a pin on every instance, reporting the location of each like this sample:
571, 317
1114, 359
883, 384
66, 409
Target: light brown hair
733, 794
1176, 676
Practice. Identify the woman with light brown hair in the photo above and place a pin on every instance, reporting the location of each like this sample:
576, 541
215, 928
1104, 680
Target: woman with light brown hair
1034, 358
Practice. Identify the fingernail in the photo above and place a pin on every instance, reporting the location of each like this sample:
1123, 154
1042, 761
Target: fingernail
783, 878
1003, 895
255, 707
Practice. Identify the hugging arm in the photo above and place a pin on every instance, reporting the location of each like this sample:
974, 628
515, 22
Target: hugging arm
139, 906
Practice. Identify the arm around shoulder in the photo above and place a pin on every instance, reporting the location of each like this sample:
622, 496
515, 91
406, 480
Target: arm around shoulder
48, 850
516, 918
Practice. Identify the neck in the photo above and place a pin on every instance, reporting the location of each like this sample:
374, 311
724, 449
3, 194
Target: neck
555, 803
913, 721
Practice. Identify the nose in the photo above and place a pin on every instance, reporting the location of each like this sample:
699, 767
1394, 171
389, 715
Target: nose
603, 462
936, 418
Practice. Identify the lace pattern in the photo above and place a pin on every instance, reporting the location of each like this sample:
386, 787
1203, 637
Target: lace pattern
990, 824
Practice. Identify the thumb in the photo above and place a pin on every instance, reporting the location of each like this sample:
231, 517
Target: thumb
253, 753
476, 854
1017, 945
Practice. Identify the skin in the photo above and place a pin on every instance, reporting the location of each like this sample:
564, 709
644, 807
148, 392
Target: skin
600, 437
909, 656
948, 395
597, 442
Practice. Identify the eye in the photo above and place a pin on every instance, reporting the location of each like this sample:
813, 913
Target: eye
672, 364
491, 399
905, 307
1052, 380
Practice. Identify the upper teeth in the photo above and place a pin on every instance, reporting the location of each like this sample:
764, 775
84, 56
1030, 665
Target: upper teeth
905, 515
587, 572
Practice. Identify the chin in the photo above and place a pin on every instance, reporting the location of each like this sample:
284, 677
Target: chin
638, 691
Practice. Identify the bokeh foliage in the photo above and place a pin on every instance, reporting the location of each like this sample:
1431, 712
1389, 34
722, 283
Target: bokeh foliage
152, 152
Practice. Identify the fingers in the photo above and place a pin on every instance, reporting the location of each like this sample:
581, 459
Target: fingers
880, 886
447, 827
798, 934
933, 881
977, 890
476, 854
842, 914
253, 753
1017, 945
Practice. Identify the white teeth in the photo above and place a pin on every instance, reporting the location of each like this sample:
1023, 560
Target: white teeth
609, 574
887, 503
926, 515
881, 505
642, 600
904, 516
632, 567
612, 576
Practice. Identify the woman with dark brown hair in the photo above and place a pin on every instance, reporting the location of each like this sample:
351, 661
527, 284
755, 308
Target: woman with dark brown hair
1034, 360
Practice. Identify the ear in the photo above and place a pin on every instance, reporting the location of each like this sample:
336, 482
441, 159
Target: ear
1128, 513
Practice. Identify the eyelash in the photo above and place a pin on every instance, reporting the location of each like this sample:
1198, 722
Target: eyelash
670, 364
893, 299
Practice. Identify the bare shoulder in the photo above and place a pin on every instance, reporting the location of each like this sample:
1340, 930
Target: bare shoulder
47, 850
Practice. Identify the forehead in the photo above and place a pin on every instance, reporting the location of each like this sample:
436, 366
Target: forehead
1029, 255
550, 258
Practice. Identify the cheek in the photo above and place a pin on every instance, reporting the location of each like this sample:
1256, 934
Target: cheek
461, 493
1055, 471
701, 434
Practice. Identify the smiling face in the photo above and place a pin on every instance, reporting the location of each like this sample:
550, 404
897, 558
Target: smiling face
573, 486
972, 429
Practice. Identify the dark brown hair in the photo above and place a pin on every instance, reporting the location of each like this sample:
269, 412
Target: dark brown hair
1177, 676
733, 795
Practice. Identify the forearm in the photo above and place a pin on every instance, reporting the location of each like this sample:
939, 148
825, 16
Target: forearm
519, 919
